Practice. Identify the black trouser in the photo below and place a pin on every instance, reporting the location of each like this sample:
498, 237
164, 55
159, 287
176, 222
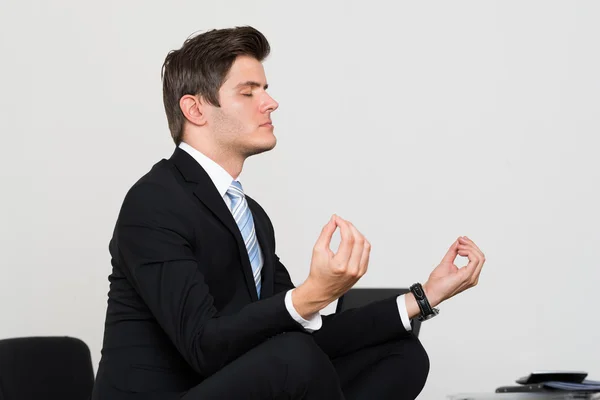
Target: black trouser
292, 366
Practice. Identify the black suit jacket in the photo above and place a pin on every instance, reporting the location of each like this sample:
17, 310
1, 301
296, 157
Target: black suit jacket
182, 300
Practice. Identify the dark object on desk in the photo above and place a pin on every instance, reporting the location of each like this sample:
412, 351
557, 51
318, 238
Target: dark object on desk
581, 388
585, 386
45, 368
557, 376
357, 297
532, 387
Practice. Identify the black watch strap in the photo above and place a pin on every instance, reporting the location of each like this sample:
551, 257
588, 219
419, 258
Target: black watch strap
427, 311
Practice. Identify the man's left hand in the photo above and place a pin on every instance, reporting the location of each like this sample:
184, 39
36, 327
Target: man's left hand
447, 280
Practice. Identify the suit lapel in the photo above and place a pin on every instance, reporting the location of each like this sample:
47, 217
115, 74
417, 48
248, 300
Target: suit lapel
207, 193
260, 225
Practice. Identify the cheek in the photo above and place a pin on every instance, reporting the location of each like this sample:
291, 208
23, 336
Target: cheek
244, 116
231, 121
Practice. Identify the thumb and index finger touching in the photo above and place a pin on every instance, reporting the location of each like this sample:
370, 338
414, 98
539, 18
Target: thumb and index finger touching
451, 253
324, 241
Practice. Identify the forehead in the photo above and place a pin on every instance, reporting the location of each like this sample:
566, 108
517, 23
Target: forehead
243, 69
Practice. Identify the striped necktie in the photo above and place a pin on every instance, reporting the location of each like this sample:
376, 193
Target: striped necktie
245, 222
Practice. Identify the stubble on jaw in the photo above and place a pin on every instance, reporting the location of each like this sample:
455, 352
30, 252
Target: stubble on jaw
229, 134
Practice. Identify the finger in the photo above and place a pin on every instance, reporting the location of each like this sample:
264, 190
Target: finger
465, 250
467, 247
357, 250
474, 260
479, 268
477, 273
347, 242
466, 240
473, 268
471, 248
451, 254
364, 261
471, 264
324, 240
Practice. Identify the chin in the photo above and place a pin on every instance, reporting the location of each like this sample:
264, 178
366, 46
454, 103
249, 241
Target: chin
261, 147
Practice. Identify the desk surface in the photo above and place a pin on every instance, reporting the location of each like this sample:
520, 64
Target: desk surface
521, 396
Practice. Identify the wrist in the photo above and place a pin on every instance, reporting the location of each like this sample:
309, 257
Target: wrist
308, 300
412, 307
427, 310
432, 297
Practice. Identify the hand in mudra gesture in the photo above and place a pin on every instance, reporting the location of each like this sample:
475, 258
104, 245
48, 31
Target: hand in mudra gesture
447, 280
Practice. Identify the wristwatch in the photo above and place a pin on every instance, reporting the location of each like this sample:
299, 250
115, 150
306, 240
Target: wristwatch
427, 312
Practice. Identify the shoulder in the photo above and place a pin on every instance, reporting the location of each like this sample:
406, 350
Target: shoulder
159, 190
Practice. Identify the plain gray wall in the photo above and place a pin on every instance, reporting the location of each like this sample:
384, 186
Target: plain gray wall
418, 121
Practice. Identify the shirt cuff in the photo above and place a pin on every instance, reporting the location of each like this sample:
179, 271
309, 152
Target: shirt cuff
403, 312
313, 324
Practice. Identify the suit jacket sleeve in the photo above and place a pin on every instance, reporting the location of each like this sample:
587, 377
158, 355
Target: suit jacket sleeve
283, 282
354, 329
152, 244
350, 330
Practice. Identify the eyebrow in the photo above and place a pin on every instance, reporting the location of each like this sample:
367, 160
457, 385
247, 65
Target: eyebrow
251, 84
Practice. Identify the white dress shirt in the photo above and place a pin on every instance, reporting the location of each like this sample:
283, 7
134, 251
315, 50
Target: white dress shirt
222, 180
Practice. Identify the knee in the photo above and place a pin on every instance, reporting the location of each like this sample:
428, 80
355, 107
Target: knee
302, 355
419, 361
307, 365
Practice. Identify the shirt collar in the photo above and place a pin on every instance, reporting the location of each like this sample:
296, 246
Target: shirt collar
217, 174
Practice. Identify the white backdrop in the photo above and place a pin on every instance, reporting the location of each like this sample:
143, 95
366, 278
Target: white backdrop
417, 121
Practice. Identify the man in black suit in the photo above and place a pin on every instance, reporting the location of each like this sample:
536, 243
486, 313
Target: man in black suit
200, 306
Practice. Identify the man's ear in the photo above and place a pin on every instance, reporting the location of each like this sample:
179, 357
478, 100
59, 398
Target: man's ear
193, 109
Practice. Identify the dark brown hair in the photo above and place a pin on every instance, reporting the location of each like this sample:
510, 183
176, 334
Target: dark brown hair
200, 66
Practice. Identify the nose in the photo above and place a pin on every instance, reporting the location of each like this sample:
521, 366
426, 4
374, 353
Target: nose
269, 104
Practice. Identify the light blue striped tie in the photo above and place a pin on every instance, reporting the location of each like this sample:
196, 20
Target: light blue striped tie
243, 219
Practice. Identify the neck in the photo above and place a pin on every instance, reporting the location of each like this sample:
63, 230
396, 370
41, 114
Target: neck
229, 161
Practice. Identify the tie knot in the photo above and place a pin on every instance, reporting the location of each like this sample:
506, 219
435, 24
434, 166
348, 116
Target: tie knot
235, 189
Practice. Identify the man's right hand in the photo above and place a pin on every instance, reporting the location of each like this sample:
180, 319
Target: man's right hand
332, 274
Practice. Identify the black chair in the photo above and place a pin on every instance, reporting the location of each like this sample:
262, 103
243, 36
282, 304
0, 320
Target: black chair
45, 368
357, 297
